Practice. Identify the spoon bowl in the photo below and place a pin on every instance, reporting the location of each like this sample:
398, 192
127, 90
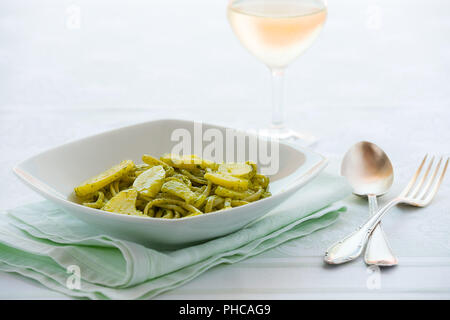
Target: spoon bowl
368, 169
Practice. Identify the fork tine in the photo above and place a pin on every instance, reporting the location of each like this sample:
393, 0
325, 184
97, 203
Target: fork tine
414, 178
436, 186
422, 181
430, 181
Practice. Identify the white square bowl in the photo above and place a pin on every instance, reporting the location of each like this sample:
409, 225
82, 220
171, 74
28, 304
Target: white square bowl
54, 173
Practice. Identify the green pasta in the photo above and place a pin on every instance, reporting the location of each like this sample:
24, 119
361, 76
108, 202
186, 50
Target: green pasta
173, 187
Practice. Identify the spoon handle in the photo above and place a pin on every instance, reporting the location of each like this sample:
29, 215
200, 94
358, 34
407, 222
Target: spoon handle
378, 251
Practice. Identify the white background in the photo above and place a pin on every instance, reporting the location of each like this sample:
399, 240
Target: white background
378, 72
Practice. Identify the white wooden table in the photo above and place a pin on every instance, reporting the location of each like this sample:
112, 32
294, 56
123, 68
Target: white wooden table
379, 72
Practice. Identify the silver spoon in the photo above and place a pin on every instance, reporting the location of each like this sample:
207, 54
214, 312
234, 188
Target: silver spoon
370, 173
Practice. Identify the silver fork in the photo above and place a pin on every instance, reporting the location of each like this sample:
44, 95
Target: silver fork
418, 192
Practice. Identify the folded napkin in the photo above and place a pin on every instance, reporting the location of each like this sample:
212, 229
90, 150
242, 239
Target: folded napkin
42, 242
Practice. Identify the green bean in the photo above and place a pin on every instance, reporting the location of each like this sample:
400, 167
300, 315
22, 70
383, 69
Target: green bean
227, 193
194, 178
211, 202
254, 196
201, 199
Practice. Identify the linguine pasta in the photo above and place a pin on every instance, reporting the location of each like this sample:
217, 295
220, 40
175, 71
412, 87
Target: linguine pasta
173, 187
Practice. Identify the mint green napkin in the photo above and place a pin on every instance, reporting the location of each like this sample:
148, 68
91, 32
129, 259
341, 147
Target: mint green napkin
42, 242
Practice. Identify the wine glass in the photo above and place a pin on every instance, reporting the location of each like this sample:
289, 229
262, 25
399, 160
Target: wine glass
276, 32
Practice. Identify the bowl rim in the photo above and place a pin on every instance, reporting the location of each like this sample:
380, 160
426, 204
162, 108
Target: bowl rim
42, 188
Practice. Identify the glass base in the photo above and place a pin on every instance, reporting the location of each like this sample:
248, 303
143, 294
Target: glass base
285, 134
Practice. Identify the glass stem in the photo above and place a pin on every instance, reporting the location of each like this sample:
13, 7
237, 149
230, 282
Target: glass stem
277, 98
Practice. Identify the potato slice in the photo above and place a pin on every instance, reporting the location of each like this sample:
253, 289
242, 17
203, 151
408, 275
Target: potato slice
124, 203
156, 162
208, 164
236, 169
227, 181
148, 159
179, 189
182, 162
189, 162
149, 182
99, 181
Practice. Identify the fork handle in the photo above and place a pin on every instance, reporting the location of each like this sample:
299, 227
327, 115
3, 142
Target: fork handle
352, 246
378, 251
